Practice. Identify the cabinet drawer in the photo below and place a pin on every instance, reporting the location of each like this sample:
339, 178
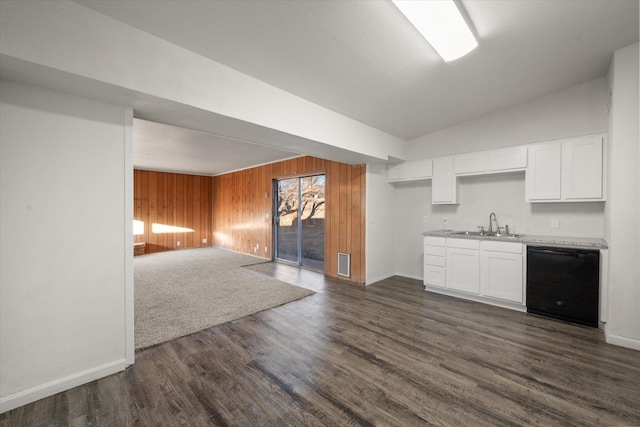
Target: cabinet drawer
463, 243
438, 261
509, 247
434, 276
434, 241
434, 250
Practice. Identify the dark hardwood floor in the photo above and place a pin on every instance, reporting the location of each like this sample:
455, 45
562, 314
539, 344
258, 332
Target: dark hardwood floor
389, 354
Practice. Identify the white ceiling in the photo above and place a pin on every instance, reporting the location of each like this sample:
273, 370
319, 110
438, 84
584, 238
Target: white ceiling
364, 60
158, 146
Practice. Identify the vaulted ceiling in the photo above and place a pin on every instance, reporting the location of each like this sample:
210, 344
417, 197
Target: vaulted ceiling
363, 59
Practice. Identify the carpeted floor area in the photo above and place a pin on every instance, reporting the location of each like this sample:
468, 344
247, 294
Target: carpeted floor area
181, 292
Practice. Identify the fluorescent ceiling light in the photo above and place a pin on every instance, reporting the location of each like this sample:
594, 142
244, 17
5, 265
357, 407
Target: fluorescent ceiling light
441, 23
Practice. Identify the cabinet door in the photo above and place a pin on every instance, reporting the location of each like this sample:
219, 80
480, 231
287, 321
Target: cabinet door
543, 172
443, 186
582, 168
399, 172
420, 169
507, 159
501, 275
434, 276
463, 270
470, 163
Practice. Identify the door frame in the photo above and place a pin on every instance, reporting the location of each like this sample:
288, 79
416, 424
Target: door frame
276, 219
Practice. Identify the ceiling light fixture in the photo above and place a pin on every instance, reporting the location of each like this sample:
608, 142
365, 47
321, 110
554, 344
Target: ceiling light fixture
441, 23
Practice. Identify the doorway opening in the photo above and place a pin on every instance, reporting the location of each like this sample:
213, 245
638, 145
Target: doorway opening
299, 214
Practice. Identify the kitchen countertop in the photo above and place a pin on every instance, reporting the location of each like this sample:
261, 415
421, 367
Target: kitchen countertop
530, 239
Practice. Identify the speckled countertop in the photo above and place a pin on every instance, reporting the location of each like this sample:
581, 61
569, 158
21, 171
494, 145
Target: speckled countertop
530, 239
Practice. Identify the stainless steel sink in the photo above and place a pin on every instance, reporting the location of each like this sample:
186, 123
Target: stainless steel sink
469, 233
506, 236
485, 234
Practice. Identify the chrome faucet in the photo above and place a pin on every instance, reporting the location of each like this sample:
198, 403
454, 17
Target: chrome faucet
493, 215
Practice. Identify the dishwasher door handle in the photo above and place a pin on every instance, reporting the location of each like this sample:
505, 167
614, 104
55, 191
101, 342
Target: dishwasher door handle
578, 253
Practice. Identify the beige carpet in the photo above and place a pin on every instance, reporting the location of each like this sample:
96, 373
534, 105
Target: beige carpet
181, 292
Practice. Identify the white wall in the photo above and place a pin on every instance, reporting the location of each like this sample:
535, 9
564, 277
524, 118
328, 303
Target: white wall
65, 222
580, 110
576, 111
108, 51
380, 229
479, 196
623, 205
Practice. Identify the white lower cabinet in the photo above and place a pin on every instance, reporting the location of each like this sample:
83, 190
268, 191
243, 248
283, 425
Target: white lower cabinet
463, 265
501, 271
489, 271
434, 261
434, 276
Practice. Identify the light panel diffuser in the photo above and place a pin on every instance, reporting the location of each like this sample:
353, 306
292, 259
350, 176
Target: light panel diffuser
441, 23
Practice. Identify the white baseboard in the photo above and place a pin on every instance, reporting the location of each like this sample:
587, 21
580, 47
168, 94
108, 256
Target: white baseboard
386, 276
621, 341
410, 276
50, 388
379, 278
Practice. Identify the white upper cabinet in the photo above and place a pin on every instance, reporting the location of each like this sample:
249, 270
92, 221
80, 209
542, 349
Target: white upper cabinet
570, 170
543, 173
582, 168
420, 169
444, 185
500, 160
507, 159
470, 163
410, 171
398, 172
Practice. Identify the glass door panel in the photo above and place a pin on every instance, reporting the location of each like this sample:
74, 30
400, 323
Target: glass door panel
299, 225
287, 219
312, 209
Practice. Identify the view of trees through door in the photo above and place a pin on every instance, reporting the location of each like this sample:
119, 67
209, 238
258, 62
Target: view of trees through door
299, 220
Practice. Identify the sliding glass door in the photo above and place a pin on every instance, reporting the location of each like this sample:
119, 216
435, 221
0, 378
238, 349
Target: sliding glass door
299, 220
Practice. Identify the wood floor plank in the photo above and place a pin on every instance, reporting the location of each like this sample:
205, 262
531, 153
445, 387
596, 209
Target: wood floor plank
387, 354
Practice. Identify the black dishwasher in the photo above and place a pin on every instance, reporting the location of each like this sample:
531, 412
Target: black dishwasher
564, 283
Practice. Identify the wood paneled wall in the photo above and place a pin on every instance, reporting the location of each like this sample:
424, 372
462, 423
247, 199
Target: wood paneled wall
240, 210
175, 200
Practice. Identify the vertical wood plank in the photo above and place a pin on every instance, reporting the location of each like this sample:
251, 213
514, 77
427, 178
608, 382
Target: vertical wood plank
163, 198
239, 207
153, 209
144, 188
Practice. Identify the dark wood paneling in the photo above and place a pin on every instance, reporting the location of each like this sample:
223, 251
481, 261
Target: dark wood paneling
176, 200
240, 209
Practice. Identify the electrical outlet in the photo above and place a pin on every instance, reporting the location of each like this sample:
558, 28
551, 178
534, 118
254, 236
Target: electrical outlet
445, 223
555, 223
265, 249
425, 219
178, 243
204, 241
